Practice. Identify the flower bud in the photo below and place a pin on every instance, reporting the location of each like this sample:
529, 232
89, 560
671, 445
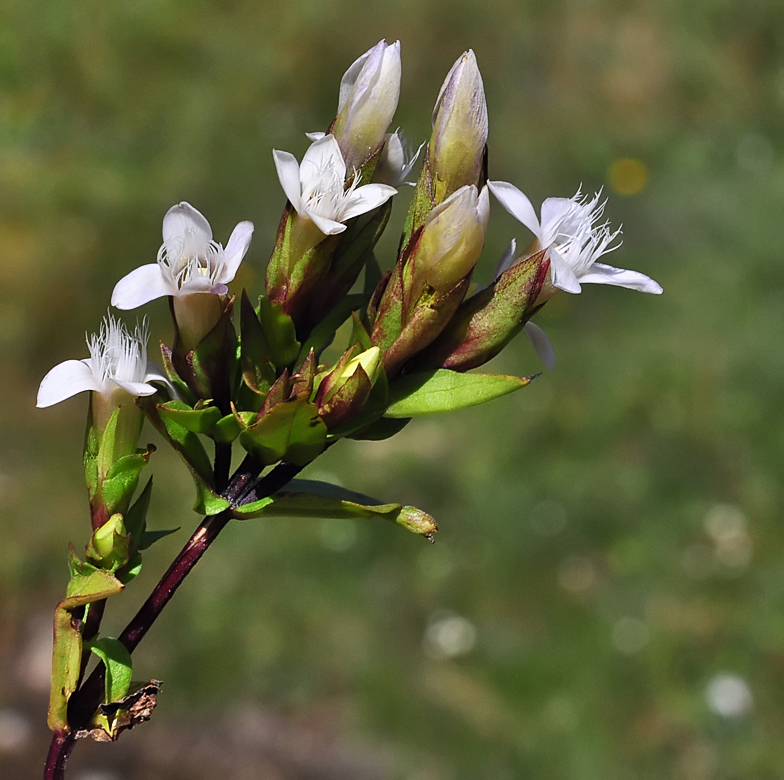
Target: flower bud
369, 361
369, 93
457, 145
109, 544
452, 239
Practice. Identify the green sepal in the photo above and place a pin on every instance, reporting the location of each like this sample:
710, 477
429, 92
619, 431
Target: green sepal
121, 481
323, 334
118, 663
136, 516
373, 409
183, 391
292, 430
278, 328
226, 430
198, 420
87, 584
442, 390
359, 334
191, 450
310, 498
255, 352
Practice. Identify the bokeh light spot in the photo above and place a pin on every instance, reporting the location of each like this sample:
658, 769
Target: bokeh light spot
628, 176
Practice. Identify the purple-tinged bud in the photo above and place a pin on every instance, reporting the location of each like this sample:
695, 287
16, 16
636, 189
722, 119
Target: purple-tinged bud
369, 93
457, 145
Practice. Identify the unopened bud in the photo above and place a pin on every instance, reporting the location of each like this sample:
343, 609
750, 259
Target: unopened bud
369, 93
109, 544
452, 238
369, 361
457, 145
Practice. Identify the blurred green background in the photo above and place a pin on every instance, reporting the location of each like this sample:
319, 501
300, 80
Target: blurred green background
606, 597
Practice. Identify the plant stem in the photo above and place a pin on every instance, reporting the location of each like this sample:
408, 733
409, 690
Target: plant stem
85, 701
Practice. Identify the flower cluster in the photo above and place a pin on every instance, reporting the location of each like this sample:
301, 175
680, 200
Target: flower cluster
262, 373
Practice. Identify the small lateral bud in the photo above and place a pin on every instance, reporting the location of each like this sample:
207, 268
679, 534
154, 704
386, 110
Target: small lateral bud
369, 361
459, 136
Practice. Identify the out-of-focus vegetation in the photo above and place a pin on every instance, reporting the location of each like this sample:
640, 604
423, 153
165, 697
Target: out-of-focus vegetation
606, 597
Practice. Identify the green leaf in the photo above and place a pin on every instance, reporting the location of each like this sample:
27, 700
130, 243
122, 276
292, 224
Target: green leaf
136, 516
279, 331
255, 352
226, 430
189, 447
150, 537
322, 335
194, 420
88, 584
120, 483
292, 430
309, 498
442, 390
118, 663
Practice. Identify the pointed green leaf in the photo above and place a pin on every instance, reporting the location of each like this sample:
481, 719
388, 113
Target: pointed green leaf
119, 485
309, 498
87, 585
118, 663
194, 420
279, 331
136, 516
291, 430
432, 392
226, 430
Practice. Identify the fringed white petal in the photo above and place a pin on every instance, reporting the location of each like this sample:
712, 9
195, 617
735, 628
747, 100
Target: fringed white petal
142, 285
181, 219
322, 156
562, 275
507, 258
288, 172
541, 344
136, 388
367, 198
599, 273
239, 241
329, 227
516, 203
65, 380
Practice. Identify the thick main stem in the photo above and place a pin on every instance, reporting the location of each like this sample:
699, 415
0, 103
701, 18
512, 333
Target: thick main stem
86, 700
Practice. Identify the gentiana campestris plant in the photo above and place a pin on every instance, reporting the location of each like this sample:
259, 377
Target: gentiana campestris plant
251, 373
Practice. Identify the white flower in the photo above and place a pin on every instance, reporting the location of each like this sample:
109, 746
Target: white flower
189, 261
316, 187
396, 161
570, 228
118, 359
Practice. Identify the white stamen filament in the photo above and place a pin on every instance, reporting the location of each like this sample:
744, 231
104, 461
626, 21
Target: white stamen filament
118, 354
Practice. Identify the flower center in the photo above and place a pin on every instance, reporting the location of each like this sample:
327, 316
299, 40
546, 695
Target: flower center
191, 256
118, 354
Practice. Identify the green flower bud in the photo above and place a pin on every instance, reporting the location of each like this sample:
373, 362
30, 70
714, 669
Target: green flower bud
452, 239
457, 145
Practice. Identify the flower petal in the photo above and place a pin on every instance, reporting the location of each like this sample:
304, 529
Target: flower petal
317, 136
516, 203
541, 344
239, 241
507, 258
554, 209
349, 80
323, 155
65, 380
154, 373
562, 275
288, 174
182, 218
366, 198
136, 388
327, 226
600, 273
140, 286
